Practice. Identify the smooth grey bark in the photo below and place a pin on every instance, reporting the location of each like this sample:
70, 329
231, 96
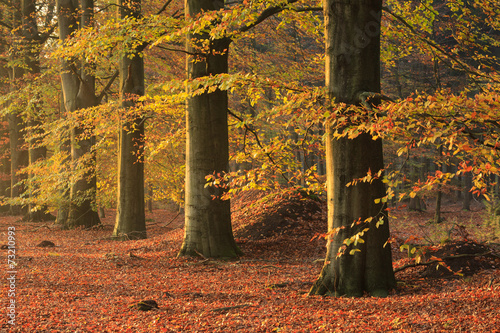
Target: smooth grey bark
130, 218
352, 68
208, 230
78, 86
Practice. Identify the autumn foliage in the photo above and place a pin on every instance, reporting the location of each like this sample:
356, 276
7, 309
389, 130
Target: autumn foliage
437, 115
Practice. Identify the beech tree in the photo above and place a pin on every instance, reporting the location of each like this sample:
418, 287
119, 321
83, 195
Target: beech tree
27, 27
18, 153
358, 259
78, 86
208, 228
130, 217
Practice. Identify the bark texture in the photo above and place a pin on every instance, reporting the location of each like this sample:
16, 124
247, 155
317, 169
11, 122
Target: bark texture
208, 228
78, 85
37, 151
17, 126
352, 68
130, 218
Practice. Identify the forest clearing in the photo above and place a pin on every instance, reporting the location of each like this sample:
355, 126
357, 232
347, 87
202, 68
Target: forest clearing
90, 283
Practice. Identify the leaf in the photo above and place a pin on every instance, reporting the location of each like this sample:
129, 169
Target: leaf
353, 251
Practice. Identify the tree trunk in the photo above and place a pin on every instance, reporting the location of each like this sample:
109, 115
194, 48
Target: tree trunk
439, 194
353, 67
130, 218
208, 228
36, 151
79, 92
18, 152
467, 194
5, 146
65, 199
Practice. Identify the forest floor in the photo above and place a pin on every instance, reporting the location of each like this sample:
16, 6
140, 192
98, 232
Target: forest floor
87, 282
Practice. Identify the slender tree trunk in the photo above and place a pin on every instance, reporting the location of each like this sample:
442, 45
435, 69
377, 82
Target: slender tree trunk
208, 228
439, 194
467, 194
37, 151
18, 150
5, 147
353, 67
65, 199
130, 217
79, 92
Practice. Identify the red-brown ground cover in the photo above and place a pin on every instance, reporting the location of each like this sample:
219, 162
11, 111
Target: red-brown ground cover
88, 282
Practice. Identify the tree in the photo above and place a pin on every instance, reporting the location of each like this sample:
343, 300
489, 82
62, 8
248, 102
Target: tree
18, 153
208, 228
78, 86
37, 151
353, 79
130, 217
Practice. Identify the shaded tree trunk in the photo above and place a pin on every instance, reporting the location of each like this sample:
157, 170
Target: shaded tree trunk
18, 150
78, 85
439, 194
353, 67
65, 199
4, 131
467, 194
130, 218
37, 151
208, 228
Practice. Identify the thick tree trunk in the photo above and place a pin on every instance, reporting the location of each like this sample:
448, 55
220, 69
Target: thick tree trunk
79, 93
130, 217
353, 67
208, 228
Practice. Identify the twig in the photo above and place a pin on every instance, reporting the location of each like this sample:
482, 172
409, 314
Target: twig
169, 223
427, 263
257, 140
42, 226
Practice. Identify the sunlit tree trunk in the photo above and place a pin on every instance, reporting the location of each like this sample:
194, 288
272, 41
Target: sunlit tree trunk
130, 217
353, 67
78, 85
207, 219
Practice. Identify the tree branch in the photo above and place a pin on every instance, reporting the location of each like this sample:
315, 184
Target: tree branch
162, 9
442, 260
365, 96
434, 45
251, 130
275, 10
108, 85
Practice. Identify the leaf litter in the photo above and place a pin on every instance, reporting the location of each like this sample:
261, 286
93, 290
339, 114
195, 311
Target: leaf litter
90, 283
